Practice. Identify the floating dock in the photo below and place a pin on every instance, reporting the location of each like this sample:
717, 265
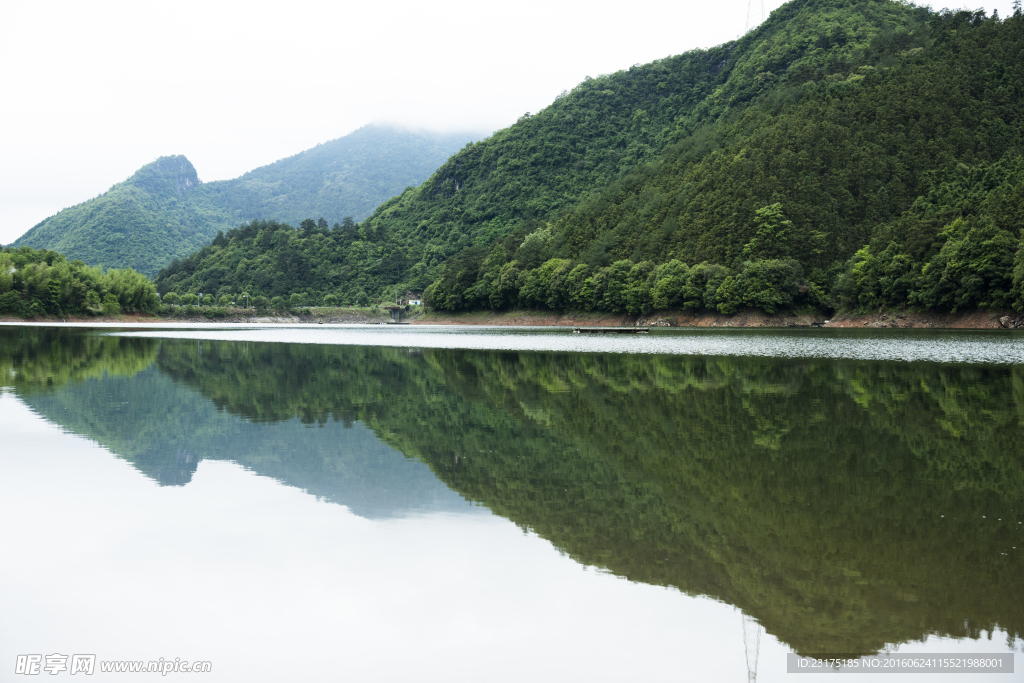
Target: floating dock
611, 330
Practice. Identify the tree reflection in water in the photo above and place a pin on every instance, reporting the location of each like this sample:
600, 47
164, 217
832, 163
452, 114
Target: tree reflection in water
841, 505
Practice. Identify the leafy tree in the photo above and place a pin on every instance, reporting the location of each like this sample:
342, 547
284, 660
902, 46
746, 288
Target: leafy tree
111, 305
670, 284
616, 286
505, 286
638, 295
974, 269
12, 304
768, 284
536, 283
773, 232
573, 287
560, 292
728, 295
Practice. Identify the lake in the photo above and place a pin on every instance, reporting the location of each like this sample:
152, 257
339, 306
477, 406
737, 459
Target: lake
384, 503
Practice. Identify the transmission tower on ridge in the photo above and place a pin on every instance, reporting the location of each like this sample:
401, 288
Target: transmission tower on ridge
750, 10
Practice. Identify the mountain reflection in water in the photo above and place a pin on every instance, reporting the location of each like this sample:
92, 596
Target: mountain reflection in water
844, 505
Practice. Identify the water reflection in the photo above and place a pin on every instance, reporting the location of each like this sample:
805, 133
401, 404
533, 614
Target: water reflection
844, 505
165, 427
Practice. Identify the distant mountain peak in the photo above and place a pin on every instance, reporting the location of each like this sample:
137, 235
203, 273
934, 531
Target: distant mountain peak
164, 211
165, 175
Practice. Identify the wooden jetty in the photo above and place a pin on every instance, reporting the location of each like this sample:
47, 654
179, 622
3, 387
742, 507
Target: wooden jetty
611, 330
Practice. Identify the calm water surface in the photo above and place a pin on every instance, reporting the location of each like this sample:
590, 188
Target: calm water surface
393, 504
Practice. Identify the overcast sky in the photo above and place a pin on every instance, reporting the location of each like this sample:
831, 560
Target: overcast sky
91, 91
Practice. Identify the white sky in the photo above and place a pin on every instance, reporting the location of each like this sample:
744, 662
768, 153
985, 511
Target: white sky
91, 91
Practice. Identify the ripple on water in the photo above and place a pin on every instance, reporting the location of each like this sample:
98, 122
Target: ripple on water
961, 346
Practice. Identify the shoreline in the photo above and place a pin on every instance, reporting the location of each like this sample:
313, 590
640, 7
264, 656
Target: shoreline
331, 316
972, 320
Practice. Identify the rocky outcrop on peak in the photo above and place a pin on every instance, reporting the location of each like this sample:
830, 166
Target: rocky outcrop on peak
165, 175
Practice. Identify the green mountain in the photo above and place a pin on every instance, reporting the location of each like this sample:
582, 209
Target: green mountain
347, 177
140, 223
849, 154
889, 172
164, 211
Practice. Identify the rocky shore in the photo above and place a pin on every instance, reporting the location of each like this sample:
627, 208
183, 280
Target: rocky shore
971, 320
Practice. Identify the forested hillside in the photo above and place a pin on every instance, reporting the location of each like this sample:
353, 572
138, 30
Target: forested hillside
140, 223
347, 177
849, 154
894, 177
164, 211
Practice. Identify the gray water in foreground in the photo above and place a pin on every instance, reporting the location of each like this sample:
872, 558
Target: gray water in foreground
413, 503
960, 346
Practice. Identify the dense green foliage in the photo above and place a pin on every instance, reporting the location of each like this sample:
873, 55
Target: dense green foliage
280, 266
164, 211
953, 249
844, 154
40, 282
911, 144
602, 129
845, 505
504, 278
